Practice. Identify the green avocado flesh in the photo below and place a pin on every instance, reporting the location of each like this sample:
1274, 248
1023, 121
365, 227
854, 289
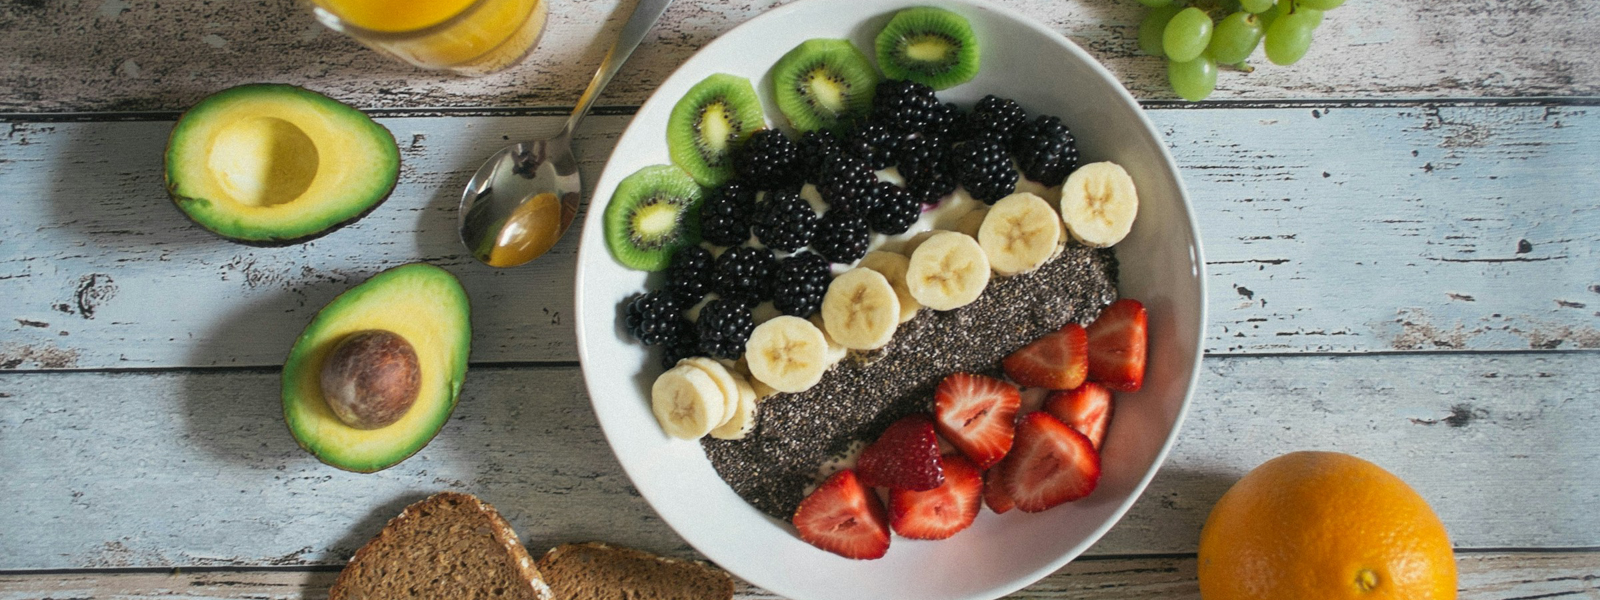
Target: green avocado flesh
269, 164
423, 304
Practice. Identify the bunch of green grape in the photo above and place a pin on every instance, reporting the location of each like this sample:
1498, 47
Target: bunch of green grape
1194, 43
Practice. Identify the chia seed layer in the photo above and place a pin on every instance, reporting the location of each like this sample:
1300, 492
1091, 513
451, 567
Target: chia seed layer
796, 434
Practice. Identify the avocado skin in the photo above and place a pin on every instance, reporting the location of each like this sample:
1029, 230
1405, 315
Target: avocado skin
303, 366
271, 241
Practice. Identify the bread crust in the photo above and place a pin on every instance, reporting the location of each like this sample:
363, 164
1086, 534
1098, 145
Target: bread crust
499, 530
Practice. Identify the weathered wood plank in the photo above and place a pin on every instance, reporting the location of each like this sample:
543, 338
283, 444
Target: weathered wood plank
1482, 576
1401, 229
195, 468
148, 55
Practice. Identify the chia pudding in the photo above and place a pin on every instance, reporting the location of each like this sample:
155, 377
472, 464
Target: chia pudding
797, 434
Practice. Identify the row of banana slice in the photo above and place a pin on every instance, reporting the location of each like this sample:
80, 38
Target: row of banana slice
863, 307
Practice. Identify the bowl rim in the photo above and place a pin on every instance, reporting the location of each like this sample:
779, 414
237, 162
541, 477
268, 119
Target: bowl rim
1196, 250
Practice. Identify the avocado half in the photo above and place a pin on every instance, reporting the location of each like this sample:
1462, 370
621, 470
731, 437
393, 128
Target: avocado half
423, 304
273, 165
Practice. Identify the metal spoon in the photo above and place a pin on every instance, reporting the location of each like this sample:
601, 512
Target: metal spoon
525, 196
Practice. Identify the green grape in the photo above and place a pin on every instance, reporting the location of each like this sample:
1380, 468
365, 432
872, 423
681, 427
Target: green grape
1255, 6
1316, 15
1152, 26
1319, 4
1289, 37
1187, 34
1278, 10
1235, 38
1193, 80
1155, 3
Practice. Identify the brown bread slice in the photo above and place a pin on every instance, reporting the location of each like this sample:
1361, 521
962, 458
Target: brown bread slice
448, 546
596, 571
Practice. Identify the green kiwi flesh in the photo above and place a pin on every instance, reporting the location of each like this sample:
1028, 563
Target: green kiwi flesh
824, 84
931, 46
709, 122
653, 213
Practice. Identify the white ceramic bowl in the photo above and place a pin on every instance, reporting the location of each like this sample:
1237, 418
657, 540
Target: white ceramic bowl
1161, 265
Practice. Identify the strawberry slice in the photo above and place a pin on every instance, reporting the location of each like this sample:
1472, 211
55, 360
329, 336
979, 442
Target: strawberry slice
941, 512
1057, 361
976, 414
1052, 464
1086, 409
993, 494
845, 518
1117, 343
905, 457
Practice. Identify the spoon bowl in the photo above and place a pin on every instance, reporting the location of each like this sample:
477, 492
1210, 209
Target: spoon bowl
521, 201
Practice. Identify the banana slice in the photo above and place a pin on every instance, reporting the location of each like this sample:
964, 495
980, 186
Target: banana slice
787, 353
687, 403
836, 352
743, 420
916, 241
972, 222
861, 310
893, 265
724, 379
948, 271
1099, 203
1019, 234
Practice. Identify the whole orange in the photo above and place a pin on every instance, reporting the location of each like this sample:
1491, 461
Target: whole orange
1324, 526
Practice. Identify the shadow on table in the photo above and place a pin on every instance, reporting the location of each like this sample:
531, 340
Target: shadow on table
316, 588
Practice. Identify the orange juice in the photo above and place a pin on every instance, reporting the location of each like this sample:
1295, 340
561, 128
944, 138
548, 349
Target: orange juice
466, 36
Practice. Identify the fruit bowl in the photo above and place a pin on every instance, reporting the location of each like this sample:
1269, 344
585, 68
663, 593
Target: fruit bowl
1161, 265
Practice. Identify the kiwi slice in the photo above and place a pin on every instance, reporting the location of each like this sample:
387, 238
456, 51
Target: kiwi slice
931, 46
653, 213
709, 123
824, 84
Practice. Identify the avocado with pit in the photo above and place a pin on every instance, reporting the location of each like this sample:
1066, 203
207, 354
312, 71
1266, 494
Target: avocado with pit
273, 165
379, 369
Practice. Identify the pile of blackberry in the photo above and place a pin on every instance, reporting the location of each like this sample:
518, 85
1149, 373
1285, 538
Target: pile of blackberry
936, 146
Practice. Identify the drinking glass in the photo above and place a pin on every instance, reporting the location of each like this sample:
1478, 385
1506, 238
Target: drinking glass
467, 37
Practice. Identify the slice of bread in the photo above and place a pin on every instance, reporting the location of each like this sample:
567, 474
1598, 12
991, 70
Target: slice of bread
448, 546
596, 571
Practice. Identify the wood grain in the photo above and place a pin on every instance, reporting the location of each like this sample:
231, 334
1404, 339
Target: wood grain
196, 468
1482, 576
1401, 229
117, 55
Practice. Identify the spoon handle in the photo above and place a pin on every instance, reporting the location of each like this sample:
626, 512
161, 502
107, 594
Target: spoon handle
644, 17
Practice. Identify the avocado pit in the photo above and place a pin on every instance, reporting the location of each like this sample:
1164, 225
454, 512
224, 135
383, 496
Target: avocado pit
371, 379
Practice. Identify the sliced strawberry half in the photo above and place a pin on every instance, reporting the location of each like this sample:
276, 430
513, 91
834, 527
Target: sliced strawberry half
993, 494
1052, 464
1086, 409
1117, 342
1057, 361
941, 512
845, 518
977, 413
905, 457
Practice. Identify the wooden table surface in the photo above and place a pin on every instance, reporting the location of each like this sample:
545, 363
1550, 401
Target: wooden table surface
1403, 233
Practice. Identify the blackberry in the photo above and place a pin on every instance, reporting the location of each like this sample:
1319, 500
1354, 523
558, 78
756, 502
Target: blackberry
931, 188
847, 185
689, 276
816, 148
905, 106
726, 213
874, 142
802, 280
1045, 150
894, 211
654, 317
948, 122
996, 118
725, 325
786, 221
769, 161
921, 154
841, 238
683, 345
744, 273
984, 168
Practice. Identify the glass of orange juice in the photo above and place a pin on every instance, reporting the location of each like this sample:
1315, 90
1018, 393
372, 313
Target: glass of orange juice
468, 37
